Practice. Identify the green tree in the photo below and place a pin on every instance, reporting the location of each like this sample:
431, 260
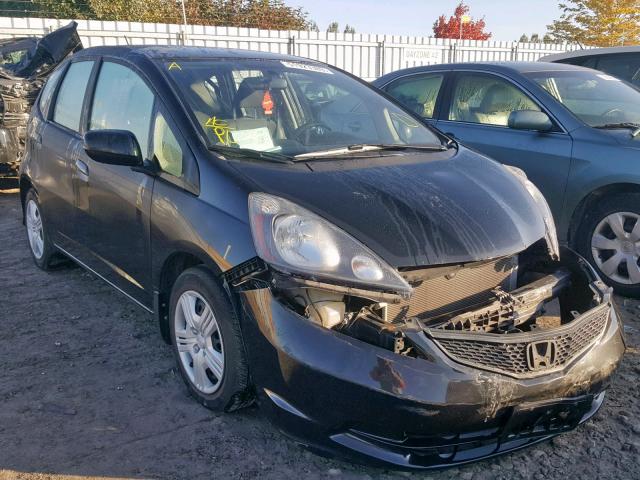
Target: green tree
76, 9
535, 38
524, 38
267, 14
600, 23
334, 27
349, 29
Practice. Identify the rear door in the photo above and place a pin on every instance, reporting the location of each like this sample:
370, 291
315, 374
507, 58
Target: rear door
114, 203
477, 114
58, 147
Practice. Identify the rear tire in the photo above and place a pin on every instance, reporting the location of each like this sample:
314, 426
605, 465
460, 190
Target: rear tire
207, 342
40, 246
609, 238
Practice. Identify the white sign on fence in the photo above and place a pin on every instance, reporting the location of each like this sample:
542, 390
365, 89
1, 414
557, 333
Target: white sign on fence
421, 56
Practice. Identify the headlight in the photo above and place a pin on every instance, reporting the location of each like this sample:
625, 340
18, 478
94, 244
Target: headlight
295, 240
550, 225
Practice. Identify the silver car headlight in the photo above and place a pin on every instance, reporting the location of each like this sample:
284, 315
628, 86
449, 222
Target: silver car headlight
295, 240
550, 225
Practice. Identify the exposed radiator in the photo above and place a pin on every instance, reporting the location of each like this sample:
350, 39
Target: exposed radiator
463, 288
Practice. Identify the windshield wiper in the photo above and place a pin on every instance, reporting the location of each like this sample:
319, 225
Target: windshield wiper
251, 154
366, 147
635, 127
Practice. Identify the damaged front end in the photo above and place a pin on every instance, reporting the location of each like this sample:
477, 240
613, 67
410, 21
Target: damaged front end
459, 362
521, 316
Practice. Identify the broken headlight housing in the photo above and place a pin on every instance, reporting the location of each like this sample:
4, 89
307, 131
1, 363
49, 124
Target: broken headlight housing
550, 226
295, 240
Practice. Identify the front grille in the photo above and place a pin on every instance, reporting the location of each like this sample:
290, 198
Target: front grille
511, 353
464, 288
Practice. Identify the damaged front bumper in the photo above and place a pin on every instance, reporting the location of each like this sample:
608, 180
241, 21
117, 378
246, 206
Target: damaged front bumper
338, 394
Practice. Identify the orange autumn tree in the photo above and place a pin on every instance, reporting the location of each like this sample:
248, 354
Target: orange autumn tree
471, 29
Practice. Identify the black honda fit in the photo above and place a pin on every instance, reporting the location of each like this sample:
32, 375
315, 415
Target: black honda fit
306, 243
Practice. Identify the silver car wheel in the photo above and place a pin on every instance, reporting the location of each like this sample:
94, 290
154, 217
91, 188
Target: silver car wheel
615, 246
199, 342
35, 232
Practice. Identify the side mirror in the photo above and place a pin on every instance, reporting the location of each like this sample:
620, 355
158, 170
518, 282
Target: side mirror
113, 147
530, 120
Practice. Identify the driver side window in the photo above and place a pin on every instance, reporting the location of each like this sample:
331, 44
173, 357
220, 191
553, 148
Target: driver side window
487, 99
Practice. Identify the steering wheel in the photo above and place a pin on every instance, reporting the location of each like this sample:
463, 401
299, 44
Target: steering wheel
304, 133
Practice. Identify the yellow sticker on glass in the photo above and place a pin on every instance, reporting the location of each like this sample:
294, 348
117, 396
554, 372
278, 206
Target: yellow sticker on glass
221, 129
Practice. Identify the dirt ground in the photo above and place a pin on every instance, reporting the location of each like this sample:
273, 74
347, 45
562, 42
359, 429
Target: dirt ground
89, 390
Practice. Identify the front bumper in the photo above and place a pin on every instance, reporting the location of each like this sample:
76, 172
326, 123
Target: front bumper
340, 395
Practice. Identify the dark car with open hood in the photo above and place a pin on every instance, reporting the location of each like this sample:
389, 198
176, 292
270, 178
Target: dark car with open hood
304, 242
25, 64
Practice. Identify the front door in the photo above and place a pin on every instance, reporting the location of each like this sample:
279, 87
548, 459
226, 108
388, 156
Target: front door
478, 117
115, 234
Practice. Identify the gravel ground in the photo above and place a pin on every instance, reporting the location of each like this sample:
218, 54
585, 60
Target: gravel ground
89, 390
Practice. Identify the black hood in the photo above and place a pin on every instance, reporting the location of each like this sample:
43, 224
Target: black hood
413, 210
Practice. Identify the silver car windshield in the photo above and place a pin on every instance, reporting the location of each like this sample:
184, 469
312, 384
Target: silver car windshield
289, 107
594, 97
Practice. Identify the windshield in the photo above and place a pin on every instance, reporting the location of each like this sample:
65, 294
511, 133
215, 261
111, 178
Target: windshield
289, 108
595, 98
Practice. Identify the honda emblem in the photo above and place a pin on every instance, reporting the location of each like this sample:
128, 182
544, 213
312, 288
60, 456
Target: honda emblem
541, 355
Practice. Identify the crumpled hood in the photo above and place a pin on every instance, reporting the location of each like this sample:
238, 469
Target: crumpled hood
413, 209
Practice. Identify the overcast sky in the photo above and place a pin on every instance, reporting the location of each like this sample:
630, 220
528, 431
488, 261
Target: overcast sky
506, 19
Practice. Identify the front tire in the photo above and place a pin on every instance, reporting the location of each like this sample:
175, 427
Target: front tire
42, 250
207, 342
609, 237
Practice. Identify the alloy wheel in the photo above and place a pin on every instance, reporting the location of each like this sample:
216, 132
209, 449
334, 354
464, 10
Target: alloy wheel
199, 342
615, 245
35, 231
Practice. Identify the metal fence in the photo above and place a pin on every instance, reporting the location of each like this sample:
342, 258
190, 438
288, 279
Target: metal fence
365, 55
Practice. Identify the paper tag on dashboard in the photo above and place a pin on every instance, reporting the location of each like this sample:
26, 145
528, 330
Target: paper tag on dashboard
307, 67
608, 77
255, 138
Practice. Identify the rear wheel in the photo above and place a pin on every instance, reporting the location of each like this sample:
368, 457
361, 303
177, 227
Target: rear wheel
207, 342
42, 250
609, 238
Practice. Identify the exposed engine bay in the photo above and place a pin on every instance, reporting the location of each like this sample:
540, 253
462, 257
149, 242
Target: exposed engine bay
484, 314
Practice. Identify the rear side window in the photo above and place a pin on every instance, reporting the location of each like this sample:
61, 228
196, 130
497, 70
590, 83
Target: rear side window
68, 109
588, 62
47, 91
122, 101
623, 66
418, 93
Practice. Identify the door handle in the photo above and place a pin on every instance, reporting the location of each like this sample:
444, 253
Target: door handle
82, 167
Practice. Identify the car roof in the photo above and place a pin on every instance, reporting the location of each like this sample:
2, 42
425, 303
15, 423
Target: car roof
589, 52
162, 52
506, 68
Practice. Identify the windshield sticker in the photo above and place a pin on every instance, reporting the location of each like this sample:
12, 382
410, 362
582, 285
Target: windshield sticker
307, 67
256, 139
174, 66
221, 129
608, 77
